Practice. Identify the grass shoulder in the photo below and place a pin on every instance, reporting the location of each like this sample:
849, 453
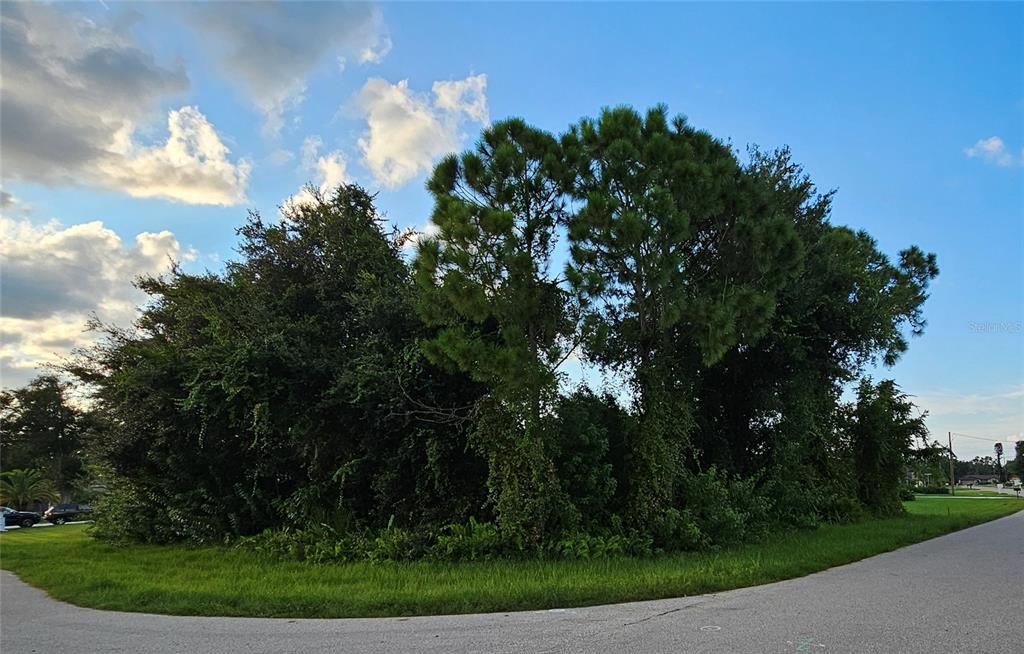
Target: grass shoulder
178, 580
969, 492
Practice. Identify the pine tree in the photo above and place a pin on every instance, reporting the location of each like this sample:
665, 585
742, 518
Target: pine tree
678, 254
487, 283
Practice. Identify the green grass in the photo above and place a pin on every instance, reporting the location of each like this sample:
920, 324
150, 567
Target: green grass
70, 566
974, 492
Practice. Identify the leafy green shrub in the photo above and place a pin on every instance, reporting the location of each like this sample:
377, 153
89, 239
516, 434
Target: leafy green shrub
677, 530
588, 546
475, 541
394, 543
130, 513
717, 511
148, 523
587, 423
930, 490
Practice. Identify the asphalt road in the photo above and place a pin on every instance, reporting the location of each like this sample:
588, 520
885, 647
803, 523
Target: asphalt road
957, 593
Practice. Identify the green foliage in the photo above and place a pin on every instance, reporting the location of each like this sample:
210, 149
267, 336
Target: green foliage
40, 429
474, 541
883, 428
587, 547
471, 541
678, 256
775, 403
126, 515
588, 427
289, 389
1017, 465
929, 465
979, 465
716, 512
21, 489
485, 282
364, 409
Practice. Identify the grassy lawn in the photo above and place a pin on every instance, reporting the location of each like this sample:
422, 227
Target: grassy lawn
216, 581
974, 492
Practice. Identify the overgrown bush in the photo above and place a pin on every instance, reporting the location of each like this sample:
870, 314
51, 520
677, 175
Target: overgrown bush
717, 511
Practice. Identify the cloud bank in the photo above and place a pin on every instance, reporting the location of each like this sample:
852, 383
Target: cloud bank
74, 94
55, 277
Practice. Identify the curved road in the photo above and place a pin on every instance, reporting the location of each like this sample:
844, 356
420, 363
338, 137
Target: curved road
958, 593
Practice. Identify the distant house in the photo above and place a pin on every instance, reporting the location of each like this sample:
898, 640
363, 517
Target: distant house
967, 480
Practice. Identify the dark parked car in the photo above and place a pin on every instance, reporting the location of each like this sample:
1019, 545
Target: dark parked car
62, 513
20, 518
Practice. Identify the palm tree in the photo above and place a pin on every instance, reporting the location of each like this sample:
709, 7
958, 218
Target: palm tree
21, 488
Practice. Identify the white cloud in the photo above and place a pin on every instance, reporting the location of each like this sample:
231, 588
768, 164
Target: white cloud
328, 170
268, 49
191, 166
55, 277
408, 131
468, 96
992, 150
75, 92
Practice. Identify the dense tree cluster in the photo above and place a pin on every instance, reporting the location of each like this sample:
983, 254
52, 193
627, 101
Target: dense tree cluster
43, 431
324, 381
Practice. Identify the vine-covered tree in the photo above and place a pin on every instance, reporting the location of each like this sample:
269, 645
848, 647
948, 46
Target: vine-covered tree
882, 427
487, 283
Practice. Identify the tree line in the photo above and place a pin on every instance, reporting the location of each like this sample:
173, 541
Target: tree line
323, 380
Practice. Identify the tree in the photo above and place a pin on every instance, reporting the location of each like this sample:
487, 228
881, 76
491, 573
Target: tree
322, 382
40, 429
486, 283
678, 254
290, 389
929, 464
1018, 460
882, 428
772, 408
979, 465
23, 488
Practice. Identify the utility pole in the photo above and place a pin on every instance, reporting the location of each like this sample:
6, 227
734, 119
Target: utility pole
952, 489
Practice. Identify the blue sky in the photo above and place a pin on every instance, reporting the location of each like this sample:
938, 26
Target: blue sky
914, 112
